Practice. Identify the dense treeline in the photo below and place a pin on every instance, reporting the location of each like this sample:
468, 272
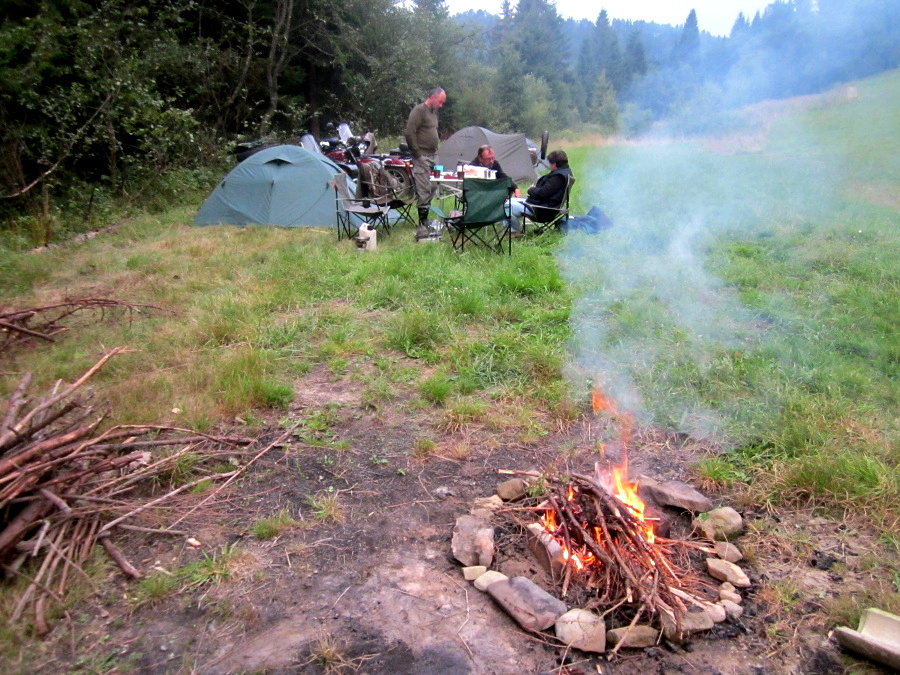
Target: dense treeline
101, 99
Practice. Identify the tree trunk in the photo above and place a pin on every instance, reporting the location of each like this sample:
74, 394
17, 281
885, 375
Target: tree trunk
278, 50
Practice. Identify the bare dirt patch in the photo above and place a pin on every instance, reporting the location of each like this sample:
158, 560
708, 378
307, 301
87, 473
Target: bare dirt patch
364, 580
878, 194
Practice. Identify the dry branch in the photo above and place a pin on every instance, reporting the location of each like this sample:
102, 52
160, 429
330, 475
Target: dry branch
64, 486
45, 322
119, 557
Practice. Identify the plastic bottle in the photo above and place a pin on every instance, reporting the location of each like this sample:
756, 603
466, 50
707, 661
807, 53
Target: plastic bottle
368, 234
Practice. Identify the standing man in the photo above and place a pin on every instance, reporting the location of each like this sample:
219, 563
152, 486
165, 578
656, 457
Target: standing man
422, 139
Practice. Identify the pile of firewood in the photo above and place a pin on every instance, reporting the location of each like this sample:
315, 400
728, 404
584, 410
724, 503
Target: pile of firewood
65, 485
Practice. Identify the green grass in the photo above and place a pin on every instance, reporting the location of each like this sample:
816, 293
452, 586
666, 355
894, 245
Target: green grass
274, 525
753, 298
747, 294
210, 569
326, 506
244, 312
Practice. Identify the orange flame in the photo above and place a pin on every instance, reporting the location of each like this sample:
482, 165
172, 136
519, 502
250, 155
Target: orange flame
599, 401
548, 520
626, 492
579, 559
617, 484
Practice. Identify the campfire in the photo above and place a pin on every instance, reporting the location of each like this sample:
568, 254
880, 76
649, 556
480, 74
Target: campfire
610, 551
596, 538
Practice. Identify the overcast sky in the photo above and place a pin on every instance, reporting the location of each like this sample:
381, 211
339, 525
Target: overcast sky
714, 16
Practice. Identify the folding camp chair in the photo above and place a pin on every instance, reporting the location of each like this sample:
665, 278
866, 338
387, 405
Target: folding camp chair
544, 218
485, 212
378, 185
348, 206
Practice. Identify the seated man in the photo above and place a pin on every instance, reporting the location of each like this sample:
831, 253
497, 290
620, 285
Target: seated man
486, 158
547, 192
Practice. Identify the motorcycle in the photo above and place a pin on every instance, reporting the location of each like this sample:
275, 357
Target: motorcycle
398, 163
348, 151
243, 150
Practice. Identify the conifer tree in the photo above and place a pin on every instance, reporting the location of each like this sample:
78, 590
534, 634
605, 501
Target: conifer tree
740, 27
635, 58
689, 42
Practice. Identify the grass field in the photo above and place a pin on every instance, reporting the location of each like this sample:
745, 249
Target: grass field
747, 292
753, 296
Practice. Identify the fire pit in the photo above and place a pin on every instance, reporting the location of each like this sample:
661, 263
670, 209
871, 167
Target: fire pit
606, 553
595, 540
603, 555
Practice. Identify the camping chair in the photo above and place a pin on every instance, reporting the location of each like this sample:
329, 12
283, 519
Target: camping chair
378, 185
348, 206
544, 218
485, 211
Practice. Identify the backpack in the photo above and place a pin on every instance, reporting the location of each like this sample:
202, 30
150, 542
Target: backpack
375, 182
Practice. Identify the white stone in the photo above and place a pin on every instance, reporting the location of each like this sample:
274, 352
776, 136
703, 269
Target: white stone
473, 572
488, 578
726, 571
731, 596
485, 507
720, 524
512, 489
635, 637
545, 548
582, 630
692, 622
732, 610
490, 504
530, 605
716, 612
729, 552
680, 495
473, 541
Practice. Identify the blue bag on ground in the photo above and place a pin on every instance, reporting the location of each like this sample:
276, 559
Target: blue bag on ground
593, 222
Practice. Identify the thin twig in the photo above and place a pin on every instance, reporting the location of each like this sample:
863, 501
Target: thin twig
13, 432
237, 473
150, 530
143, 507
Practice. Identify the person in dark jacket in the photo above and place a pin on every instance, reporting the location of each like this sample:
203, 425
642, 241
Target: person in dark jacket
547, 193
487, 159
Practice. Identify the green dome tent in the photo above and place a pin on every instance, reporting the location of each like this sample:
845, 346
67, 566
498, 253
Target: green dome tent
511, 151
283, 185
